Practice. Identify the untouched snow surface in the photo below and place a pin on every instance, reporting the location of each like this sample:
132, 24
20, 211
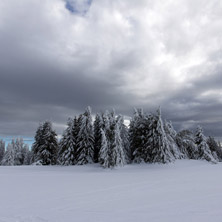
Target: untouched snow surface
184, 191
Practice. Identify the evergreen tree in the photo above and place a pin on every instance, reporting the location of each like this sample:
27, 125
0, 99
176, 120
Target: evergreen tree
85, 143
137, 135
112, 150
39, 142
27, 155
97, 136
45, 146
68, 144
118, 155
15, 154
149, 138
124, 134
9, 157
186, 143
18, 146
104, 151
203, 148
171, 136
161, 150
2, 150
214, 148
220, 148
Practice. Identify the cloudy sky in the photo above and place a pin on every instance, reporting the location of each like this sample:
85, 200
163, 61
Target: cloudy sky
57, 57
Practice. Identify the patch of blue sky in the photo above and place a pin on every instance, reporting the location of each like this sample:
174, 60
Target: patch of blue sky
8, 139
79, 7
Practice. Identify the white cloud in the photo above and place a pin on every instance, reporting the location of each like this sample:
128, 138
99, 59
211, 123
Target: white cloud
153, 50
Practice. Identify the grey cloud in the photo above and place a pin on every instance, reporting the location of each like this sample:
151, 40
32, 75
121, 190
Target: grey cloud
54, 63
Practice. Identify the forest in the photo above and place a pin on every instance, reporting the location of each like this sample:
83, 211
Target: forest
106, 140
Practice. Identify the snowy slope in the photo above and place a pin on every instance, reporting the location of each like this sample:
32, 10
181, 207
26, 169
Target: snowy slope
185, 191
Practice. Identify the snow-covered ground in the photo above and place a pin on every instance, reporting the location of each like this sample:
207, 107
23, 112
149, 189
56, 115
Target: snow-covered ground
184, 191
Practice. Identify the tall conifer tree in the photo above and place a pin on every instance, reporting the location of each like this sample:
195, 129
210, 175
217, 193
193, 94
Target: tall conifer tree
203, 148
45, 147
97, 137
161, 150
9, 157
2, 150
68, 144
137, 136
85, 144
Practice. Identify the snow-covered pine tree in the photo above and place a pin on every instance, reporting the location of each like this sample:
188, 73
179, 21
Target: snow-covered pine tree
149, 138
9, 157
219, 146
37, 144
104, 156
161, 150
68, 144
50, 147
220, 149
203, 148
97, 136
45, 146
106, 120
104, 152
85, 143
186, 143
214, 148
110, 135
171, 136
137, 129
18, 146
112, 148
117, 148
27, 155
2, 150
124, 134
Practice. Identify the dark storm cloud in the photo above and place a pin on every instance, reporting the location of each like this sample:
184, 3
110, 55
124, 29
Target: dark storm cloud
199, 104
54, 63
43, 93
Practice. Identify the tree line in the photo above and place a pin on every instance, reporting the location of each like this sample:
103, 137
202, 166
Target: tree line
109, 142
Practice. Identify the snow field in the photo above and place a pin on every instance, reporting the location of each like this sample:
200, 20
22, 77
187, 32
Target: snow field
187, 190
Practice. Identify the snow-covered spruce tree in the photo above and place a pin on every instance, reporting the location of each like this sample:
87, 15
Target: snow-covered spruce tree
45, 146
2, 150
203, 148
171, 136
124, 134
37, 144
149, 138
137, 135
15, 153
220, 149
117, 148
18, 146
85, 141
104, 156
49, 149
104, 152
161, 147
106, 120
68, 144
97, 136
112, 151
186, 143
27, 155
9, 157
214, 148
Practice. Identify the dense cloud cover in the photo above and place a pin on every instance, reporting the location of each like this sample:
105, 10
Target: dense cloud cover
57, 57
